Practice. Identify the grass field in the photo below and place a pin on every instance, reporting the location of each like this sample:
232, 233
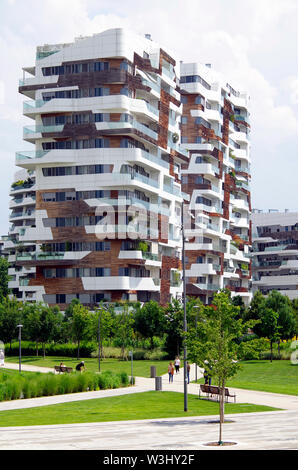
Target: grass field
147, 405
266, 376
140, 368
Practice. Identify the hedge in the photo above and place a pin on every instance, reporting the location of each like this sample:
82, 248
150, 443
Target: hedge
15, 386
52, 349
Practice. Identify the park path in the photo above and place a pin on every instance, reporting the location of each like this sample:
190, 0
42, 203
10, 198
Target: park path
143, 384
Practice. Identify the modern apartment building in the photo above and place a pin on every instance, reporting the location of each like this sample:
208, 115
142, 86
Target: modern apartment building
215, 129
98, 214
22, 218
275, 252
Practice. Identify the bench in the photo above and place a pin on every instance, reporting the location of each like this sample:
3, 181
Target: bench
62, 369
212, 390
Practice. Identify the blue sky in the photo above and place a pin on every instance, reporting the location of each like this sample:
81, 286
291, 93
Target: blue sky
253, 43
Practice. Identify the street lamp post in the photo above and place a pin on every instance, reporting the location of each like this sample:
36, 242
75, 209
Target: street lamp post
99, 341
184, 309
196, 326
20, 347
99, 318
131, 356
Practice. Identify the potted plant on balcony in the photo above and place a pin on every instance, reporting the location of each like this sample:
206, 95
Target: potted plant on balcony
143, 247
175, 137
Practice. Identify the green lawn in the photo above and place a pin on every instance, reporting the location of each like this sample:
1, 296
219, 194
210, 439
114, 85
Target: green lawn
275, 377
147, 405
140, 368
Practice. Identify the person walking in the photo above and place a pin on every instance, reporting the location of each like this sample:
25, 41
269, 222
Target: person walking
171, 372
177, 364
188, 371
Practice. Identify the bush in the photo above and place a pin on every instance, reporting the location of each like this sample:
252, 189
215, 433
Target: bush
252, 350
156, 355
39, 384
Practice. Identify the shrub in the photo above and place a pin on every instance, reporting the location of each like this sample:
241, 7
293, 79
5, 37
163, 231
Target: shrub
34, 385
50, 385
124, 379
252, 350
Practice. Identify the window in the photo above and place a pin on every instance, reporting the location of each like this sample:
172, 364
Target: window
184, 140
183, 99
184, 120
100, 66
199, 100
60, 298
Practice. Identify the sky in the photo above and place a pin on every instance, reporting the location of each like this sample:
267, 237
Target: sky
253, 43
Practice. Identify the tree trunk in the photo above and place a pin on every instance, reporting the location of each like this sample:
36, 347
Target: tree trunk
36, 348
221, 410
44, 350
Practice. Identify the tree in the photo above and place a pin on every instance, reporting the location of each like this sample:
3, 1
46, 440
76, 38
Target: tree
105, 319
49, 324
4, 278
69, 309
238, 302
174, 327
256, 307
282, 305
10, 317
123, 329
32, 322
295, 313
269, 326
150, 320
81, 325
212, 345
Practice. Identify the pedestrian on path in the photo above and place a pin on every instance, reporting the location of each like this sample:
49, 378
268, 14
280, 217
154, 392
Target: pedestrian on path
177, 364
171, 372
188, 371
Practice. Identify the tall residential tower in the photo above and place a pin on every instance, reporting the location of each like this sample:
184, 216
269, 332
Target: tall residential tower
104, 175
215, 129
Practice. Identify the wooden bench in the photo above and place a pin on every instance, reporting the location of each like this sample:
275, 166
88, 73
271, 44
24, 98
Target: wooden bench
62, 369
213, 390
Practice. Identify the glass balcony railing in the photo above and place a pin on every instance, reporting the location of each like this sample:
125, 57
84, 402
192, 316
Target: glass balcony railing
39, 129
151, 256
169, 73
30, 154
155, 159
144, 179
177, 147
172, 190
40, 256
152, 85
213, 287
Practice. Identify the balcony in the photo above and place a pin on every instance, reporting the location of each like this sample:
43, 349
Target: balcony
208, 287
125, 125
105, 103
30, 154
